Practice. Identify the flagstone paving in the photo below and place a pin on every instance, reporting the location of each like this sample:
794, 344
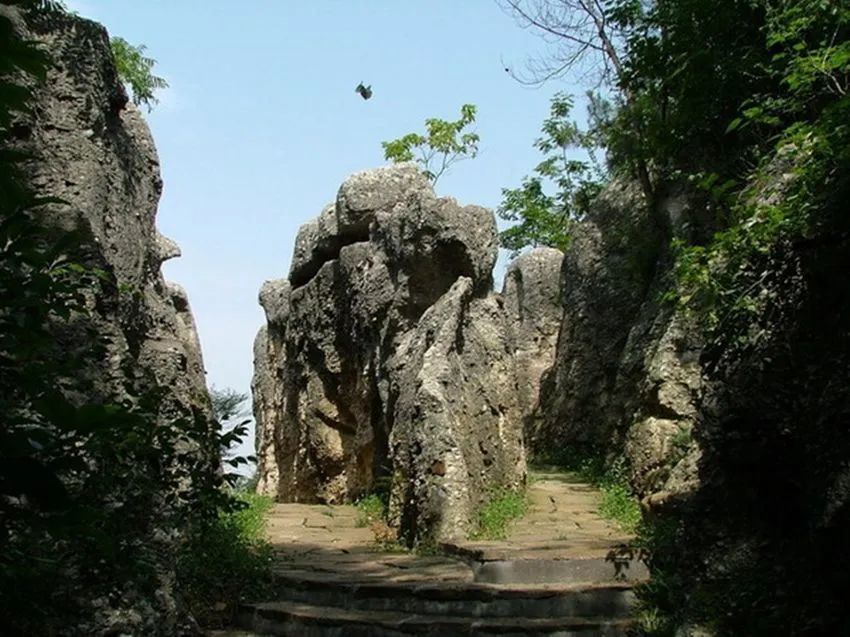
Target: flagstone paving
562, 570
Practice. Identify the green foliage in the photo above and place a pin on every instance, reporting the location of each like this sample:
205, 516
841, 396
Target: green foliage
136, 69
443, 144
503, 507
227, 561
540, 219
371, 508
228, 404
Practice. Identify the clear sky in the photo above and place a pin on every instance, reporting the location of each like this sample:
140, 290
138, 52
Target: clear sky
261, 124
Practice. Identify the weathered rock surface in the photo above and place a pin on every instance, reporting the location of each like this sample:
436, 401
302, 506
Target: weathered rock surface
739, 444
532, 294
626, 374
385, 361
92, 149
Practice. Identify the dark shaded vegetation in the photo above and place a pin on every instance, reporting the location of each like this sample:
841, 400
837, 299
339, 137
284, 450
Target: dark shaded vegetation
740, 107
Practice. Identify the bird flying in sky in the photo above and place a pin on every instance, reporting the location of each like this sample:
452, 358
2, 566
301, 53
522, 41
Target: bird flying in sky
364, 91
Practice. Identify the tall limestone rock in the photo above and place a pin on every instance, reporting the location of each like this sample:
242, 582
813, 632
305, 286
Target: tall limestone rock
386, 360
736, 443
532, 297
90, 147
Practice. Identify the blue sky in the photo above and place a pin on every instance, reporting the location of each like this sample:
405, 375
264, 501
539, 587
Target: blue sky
261, 124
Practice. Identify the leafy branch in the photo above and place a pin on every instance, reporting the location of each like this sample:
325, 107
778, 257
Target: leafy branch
541, 219
444, 144
136, 69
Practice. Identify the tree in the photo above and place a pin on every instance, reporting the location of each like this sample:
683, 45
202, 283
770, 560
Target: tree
136, 69
541, 219
580, 32
444, 144
593, 34
228, 404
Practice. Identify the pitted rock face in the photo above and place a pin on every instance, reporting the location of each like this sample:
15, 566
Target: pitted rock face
274, 299
389, 301
532, 293
366, 193
87, 145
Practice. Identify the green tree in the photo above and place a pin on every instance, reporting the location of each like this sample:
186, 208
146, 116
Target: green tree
593, 38
542, 219
228, 404
443, 144
136, 70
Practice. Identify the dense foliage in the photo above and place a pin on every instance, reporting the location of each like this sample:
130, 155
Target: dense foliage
445, 143
717, 99
739, 108
226, 560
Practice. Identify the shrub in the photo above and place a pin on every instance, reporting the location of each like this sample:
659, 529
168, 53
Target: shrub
227, 561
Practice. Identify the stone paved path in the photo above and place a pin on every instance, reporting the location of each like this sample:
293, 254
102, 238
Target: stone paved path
327, 540
561, 571
562, 535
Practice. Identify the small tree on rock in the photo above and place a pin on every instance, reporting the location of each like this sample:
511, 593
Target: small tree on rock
444, 144
136, 69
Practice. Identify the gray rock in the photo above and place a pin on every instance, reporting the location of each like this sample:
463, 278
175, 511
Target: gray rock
626, 375
457, 433
353, 355
366, 193
606, 273
274, 299
91, 148
532, 294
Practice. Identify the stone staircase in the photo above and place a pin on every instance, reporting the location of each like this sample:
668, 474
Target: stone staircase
563, 571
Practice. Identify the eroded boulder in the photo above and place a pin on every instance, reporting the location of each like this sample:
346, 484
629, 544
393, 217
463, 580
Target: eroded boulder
391, 364
532, 293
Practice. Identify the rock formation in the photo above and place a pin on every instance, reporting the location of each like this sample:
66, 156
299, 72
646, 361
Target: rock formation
738, 451
388, 362
91, 148
532, 297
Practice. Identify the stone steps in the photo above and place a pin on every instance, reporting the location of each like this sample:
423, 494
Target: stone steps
461, 599
541, 580
307, 620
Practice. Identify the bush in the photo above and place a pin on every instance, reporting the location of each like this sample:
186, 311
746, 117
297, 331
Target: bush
227, 561
371, 508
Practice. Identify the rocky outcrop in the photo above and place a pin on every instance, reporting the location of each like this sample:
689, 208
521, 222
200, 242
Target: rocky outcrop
385, 362
91, 148
737, 445
626, 374
532, 297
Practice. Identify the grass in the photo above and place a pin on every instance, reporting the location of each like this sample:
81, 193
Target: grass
504, 507
371, 508
227, 562
619, 505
